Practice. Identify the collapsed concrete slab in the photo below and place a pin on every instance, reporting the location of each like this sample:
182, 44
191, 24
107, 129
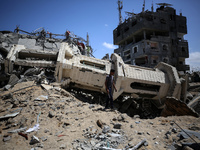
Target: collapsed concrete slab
89, 73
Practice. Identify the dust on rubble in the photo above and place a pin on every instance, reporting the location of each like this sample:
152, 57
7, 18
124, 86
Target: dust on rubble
49, 117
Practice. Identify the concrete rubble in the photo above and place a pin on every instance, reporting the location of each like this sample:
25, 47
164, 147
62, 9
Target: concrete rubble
58, 103
25, 58
74, 125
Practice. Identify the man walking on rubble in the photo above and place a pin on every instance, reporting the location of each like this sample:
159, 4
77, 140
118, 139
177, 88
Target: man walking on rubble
109, 83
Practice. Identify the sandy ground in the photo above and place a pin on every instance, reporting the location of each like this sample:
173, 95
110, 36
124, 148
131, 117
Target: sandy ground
70, 117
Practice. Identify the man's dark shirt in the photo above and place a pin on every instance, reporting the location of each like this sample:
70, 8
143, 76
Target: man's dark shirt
109, 81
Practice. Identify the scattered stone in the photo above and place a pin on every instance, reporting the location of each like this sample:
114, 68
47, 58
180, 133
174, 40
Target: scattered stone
47, 87
8, 86
151, 123
121, 118
106, 129
51, 114
92, 142
156, 143
9, 115
41, 98
148, 133
6, 138
131, 126
63, 146
65, 124
34, 140
117, 126
39, 146
174, 130
53, 108
91, 106
130, 145
99, 123
140, 133
146, 143
46, 130
43, 139
168, 134
137, 122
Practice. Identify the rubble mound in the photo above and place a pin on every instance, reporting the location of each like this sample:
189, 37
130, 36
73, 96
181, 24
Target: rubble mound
41, 116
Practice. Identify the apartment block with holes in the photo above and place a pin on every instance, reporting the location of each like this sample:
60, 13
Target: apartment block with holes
150, 37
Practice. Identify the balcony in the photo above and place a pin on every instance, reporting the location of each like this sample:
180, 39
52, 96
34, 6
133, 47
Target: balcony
183, 54
183, 67
126, 30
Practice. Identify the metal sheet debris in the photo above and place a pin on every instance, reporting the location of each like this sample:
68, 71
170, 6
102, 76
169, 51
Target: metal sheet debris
35, 128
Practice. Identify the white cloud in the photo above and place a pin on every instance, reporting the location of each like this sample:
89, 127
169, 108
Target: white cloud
106, 25
193, 60
109, 45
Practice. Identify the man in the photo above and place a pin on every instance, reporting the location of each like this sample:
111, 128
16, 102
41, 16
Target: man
109, 83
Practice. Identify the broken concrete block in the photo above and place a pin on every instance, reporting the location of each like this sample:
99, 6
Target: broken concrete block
106, 129
51, 114
187, 133
9, 115
41, 98
43, 138
13, 80
63, 146
47, 87
65, 124
117, 126
8, 86
34, 140
6, 138
121, 118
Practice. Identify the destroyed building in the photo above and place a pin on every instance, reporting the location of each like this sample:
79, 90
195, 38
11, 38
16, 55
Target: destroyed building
150, 37
61, 61
35, 57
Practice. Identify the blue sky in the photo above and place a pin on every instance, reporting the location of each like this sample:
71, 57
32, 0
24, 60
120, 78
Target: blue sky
97, 17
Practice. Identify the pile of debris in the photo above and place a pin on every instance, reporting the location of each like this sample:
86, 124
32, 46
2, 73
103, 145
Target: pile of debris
37, 112
36, 74
45, 116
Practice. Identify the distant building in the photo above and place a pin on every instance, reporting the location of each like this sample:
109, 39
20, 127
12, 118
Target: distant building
150, 37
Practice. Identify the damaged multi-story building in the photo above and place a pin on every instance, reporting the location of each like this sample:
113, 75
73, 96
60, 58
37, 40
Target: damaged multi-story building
150, 37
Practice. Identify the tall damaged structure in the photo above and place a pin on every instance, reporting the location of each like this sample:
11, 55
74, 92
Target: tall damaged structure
149, 37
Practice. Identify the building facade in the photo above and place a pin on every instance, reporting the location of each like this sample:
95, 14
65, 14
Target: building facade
150, 37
